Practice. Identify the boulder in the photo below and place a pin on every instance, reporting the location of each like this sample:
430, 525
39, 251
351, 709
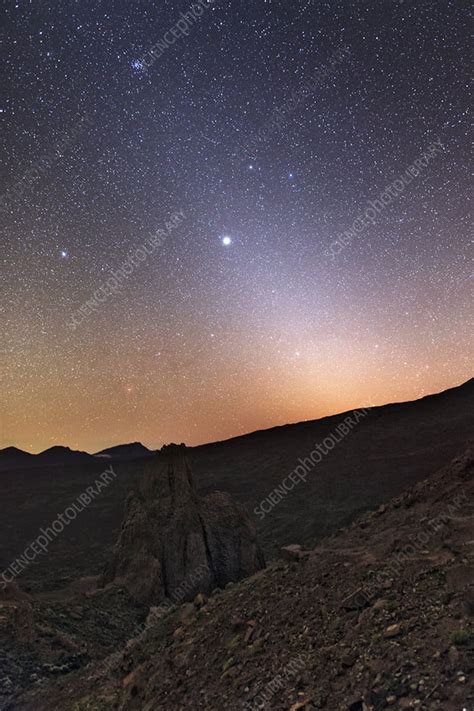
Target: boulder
175, 544
293, 552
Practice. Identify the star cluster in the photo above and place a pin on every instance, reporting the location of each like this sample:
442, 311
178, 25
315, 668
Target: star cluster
238, 319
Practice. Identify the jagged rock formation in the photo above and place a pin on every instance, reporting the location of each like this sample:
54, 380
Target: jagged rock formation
173, 543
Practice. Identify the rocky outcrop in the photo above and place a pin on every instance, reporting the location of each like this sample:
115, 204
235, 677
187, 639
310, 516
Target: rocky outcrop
173, 543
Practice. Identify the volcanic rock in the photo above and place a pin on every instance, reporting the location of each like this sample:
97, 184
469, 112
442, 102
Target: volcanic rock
175, 544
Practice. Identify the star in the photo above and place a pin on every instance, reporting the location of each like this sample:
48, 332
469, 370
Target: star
64, 253
226, 241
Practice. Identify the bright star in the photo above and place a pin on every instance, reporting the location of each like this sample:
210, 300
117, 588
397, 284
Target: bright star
64, 253
226, 241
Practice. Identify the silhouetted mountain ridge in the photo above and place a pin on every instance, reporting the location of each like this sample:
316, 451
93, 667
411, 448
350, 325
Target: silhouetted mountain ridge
133, 450
13, 456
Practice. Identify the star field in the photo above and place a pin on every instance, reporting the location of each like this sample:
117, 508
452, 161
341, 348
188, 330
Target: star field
239, 319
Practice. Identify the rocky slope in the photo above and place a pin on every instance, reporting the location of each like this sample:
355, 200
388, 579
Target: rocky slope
172, 538
45, 637
378, 616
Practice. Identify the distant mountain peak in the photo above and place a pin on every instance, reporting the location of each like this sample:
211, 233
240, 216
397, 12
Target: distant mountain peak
60, 454
14, 458
14, 450
57, 448
132, 450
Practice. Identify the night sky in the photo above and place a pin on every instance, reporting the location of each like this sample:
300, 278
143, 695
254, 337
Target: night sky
237, 158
